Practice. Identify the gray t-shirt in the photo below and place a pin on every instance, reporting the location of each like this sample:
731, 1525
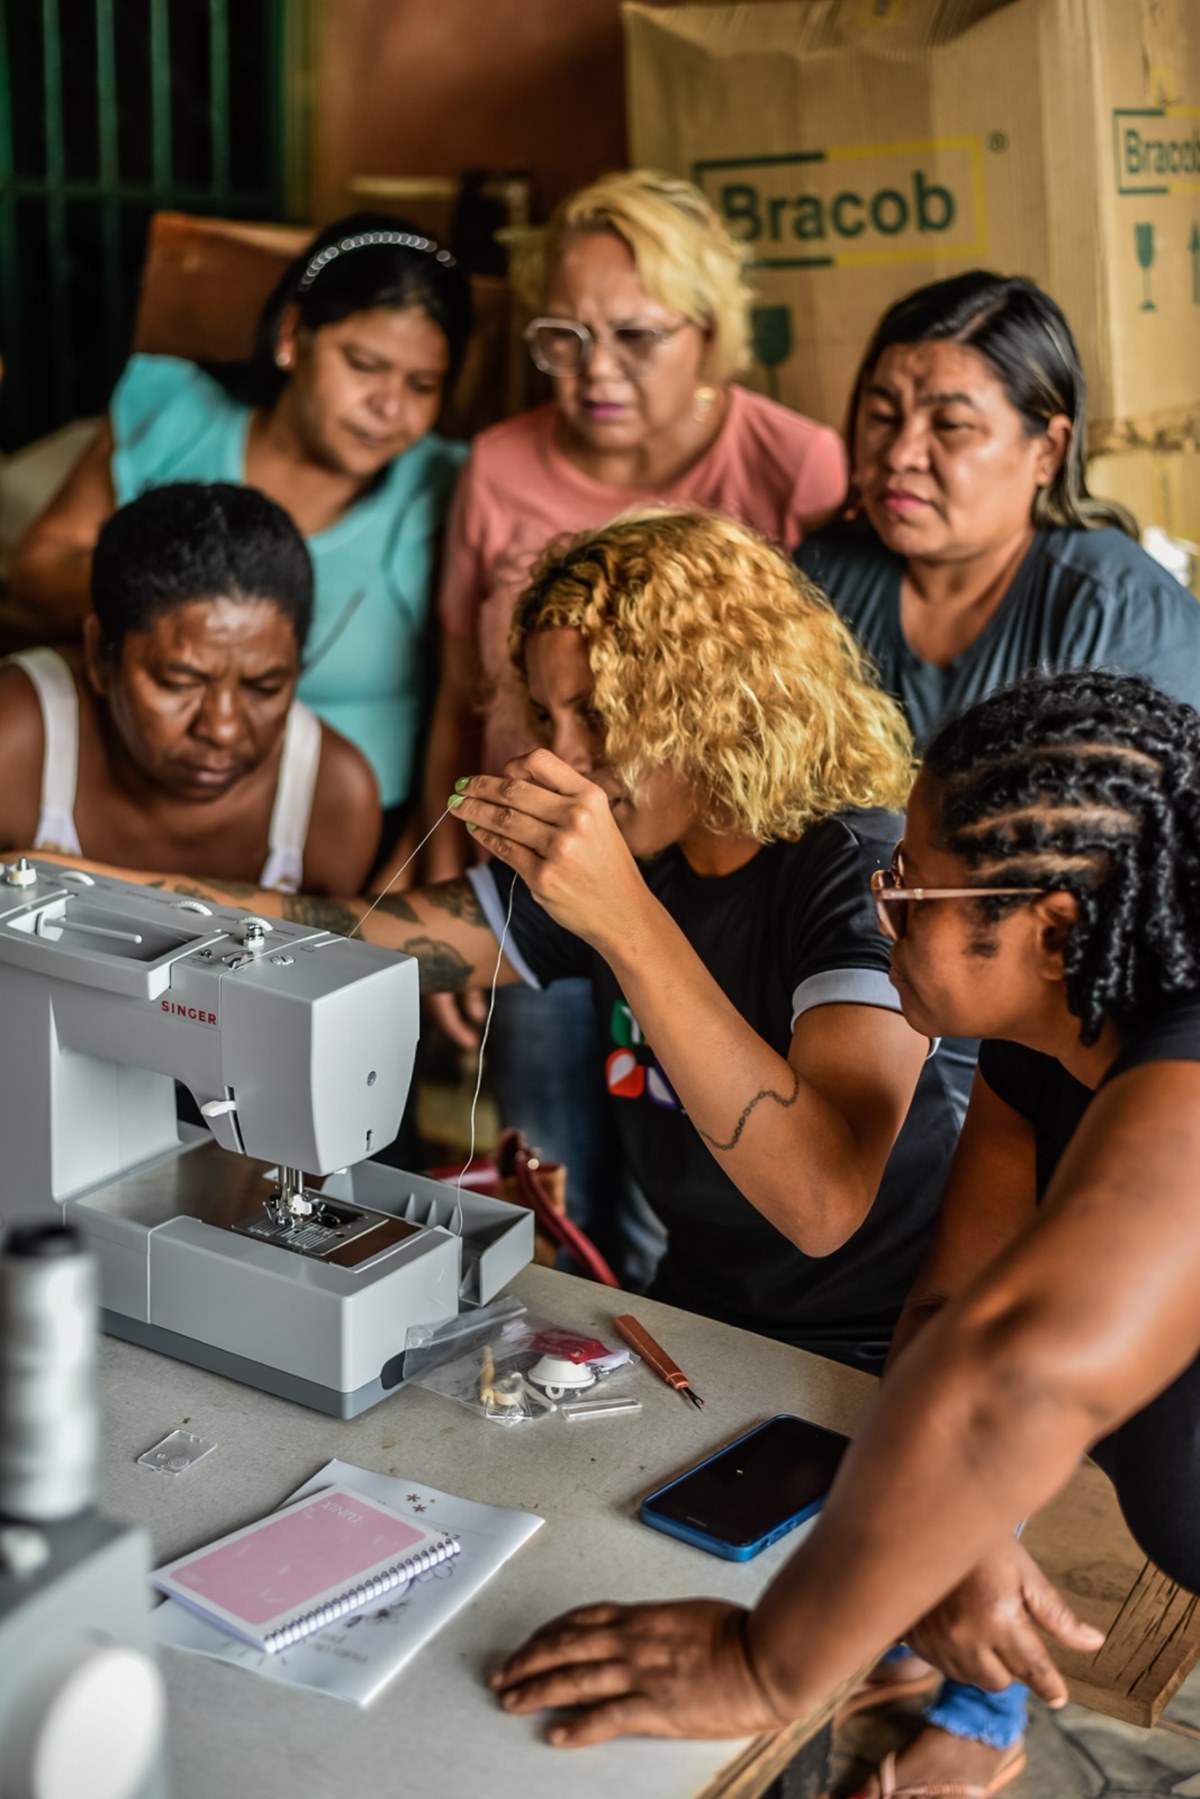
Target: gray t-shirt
1089, 599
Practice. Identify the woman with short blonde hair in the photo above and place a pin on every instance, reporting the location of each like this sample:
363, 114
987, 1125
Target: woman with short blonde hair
690, 842
710, 654
642, 317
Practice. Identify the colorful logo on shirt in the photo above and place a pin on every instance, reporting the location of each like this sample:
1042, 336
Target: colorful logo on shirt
631, 1070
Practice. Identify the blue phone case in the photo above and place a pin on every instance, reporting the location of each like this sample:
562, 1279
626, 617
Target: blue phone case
703, 1539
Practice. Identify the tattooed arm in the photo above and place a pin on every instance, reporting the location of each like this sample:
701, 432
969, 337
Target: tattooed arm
443, 926
804, 1137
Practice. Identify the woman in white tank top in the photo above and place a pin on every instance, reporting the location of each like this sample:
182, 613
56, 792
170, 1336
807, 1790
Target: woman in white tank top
173, 740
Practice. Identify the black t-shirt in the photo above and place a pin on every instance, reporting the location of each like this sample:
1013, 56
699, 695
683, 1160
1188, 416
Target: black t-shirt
792, 929
1054, 1102
1080, 599
1153, 1458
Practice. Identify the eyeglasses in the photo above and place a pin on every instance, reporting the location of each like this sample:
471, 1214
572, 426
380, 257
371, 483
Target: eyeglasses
565, 347
892, 897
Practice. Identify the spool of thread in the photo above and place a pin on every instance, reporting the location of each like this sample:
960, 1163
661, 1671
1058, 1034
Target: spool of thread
48, 1321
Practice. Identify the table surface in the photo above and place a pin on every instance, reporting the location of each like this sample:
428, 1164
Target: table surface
436, 1729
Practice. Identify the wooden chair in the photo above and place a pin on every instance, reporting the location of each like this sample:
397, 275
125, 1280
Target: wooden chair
1081, 1541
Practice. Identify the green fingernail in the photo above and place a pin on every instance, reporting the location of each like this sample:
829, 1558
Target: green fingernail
469, 825
461, 785
456, 799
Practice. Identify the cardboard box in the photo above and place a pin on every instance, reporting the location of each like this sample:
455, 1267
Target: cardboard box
1162, 490
863, 147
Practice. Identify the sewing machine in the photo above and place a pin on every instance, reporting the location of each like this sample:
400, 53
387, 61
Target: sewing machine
265, 1245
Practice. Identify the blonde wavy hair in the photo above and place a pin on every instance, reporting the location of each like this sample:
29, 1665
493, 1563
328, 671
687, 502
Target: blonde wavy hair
686, 258
713, 655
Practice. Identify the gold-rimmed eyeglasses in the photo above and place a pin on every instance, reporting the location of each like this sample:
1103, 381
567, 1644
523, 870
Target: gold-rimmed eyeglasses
892, 898
565, 347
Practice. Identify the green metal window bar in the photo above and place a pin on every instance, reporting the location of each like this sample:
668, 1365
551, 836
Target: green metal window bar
111, 110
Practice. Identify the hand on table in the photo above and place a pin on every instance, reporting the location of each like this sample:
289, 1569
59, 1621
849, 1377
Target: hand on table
672, 1670
986, 1632
556, 829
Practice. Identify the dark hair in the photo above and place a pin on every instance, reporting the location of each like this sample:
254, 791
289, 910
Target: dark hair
1027, 340
187, 542
344, 270
1088, 783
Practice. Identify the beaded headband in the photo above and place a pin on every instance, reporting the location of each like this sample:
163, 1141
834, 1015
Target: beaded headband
369, 240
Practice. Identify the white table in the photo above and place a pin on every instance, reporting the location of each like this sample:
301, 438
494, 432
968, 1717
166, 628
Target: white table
436, 1731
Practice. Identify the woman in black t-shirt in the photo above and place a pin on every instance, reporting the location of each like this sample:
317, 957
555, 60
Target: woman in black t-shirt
1046, 897
685, 844
977, 554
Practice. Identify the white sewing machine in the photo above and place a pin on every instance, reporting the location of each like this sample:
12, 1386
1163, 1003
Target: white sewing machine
297, 1046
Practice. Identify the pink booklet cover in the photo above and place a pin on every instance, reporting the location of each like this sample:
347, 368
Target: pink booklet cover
285, 1576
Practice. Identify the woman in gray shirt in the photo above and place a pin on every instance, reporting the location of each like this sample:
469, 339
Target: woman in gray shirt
976, 552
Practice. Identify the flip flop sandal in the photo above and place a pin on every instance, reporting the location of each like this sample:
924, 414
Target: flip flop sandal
870, 1693
947, 1789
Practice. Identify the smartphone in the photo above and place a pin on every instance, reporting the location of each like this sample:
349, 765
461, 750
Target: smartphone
752, 1492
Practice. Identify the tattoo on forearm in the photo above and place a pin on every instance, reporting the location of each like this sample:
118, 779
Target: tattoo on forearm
396, 906
458, 898
443, 968
233, 890
322, 914
763, 1093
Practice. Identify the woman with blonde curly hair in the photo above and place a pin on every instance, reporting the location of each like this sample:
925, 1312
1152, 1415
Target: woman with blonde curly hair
696, 843
642, 320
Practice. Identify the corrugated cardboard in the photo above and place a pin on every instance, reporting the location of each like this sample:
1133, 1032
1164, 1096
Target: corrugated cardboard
863, 147
1160, 487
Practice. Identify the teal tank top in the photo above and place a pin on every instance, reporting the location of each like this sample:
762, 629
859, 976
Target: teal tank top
365, 667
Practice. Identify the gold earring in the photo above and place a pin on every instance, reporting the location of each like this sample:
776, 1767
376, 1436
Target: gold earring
704, 401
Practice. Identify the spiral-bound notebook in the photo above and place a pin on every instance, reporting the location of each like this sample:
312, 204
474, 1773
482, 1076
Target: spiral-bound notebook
280, 1579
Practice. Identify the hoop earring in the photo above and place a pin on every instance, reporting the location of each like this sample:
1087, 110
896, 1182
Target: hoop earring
704, 400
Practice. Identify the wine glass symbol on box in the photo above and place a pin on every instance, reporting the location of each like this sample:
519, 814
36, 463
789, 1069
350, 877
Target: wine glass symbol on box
771, 335
1143, 238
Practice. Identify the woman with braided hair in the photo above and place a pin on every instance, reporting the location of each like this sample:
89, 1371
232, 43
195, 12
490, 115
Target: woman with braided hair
1046, 897
974, 553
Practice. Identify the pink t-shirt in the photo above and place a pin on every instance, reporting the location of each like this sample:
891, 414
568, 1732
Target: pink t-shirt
768, 467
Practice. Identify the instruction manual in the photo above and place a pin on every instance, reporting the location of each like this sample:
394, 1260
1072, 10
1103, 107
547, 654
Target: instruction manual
355, 1658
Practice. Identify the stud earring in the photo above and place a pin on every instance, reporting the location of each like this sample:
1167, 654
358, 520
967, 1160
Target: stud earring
283, 359
704, 401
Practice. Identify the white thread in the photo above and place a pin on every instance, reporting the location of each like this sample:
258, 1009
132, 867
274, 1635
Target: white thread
487, 1025
382, 896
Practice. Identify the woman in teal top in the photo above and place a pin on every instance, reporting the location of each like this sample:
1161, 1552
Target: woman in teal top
332, 417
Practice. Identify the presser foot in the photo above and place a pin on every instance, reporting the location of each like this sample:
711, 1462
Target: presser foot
326, 1229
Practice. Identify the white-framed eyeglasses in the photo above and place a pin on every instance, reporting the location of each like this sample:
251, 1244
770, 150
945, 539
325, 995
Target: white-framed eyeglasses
565, 347
893, 899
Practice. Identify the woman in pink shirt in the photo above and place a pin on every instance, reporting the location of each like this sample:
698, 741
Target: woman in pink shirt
644, 320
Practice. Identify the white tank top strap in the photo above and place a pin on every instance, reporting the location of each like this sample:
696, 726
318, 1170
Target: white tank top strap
298, 768
54, 685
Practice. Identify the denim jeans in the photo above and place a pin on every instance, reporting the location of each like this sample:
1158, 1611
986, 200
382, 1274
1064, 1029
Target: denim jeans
997, 1719
547, 1068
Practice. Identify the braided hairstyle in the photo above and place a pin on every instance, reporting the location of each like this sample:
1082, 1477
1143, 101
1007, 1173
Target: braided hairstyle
1086, 783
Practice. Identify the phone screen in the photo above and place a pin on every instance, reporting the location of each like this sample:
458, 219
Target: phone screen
758, 1483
